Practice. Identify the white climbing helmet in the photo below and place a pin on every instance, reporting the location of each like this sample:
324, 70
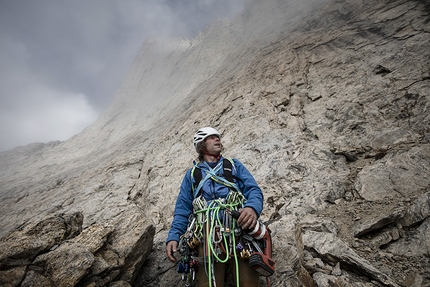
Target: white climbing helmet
203, 133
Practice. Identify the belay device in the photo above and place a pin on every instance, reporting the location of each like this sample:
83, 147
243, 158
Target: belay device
260, 260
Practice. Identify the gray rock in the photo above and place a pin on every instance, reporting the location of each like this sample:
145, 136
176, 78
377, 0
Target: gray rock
64, 266
333, 250
22, 246
378, 221
325, 102
54, 253
402, 174
119, 284
417, 243
322, 280
385, 237
419, 211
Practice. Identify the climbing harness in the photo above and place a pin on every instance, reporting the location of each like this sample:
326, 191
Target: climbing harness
212, 173
213, 224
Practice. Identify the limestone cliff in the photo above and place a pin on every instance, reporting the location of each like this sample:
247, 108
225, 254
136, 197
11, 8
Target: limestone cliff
325, 102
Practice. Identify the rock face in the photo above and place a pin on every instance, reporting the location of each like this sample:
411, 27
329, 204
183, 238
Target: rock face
325, 102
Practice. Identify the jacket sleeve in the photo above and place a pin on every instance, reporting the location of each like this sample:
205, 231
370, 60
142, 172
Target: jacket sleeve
250, 189
183, 209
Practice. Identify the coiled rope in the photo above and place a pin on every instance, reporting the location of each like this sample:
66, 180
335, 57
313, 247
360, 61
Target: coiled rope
213, 224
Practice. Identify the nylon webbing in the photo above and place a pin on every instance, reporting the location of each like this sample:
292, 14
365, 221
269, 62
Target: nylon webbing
213, 174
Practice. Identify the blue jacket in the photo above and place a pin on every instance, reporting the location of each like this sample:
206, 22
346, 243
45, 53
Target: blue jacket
213, 190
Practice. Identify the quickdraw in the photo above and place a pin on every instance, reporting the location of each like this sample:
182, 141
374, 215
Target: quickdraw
211, 221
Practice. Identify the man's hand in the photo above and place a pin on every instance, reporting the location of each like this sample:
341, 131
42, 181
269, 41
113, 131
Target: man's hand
171, 248
247, 218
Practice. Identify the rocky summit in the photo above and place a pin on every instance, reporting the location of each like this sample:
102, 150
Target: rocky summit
327, 103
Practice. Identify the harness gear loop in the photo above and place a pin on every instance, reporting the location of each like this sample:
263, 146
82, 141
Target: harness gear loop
213, 224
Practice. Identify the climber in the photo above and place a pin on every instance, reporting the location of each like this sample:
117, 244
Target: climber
202, 226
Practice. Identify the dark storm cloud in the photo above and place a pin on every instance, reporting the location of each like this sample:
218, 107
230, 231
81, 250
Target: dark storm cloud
62, 61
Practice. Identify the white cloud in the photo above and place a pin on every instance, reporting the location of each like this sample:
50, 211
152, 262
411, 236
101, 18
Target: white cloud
46, 115
62, 61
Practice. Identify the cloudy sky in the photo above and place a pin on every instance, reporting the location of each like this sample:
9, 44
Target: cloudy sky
61, 61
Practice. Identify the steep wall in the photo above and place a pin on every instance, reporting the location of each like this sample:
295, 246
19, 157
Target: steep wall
326, 103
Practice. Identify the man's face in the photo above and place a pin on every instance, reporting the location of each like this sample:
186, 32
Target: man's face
213, 144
